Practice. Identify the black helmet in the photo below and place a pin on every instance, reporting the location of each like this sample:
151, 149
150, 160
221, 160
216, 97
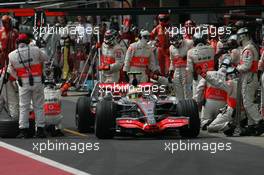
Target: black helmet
240, 24
144, 34
110, 36
176, 39
163, 17
232, 42
199, 37
223, 37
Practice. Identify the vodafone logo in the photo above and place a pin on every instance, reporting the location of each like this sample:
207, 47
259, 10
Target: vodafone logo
50, 107
129, 121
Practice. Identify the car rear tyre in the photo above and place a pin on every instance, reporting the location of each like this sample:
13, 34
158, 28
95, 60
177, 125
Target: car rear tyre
83, 116
105, 121
189, 109
8, 127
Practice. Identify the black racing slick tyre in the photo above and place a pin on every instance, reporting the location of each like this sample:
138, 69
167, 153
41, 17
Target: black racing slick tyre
8, 127
83, 116
189, 109
105, 121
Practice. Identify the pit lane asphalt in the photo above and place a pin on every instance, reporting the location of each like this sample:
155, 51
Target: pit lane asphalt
148, 156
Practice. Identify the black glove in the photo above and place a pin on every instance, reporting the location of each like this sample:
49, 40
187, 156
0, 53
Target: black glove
6, 78
171, 73
169, 79
236, 71
259, 75
126, 77
195, 76
157, 72
135, 82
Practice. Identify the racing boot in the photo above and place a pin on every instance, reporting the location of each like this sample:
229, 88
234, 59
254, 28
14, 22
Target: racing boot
204, 126
23, 134
244, 123
248, 131
40, 133
57, 133
229, 132
260, 128
54, 132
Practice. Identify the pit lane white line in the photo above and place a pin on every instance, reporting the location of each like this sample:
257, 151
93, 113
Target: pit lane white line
42, 159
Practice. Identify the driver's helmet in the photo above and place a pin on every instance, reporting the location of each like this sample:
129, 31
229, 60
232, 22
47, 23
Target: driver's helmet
199, 37
223, 37
242, 35
135, 93
164, 18
176, 39
110, 37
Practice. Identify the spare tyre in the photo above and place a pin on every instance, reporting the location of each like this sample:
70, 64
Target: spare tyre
8, 126
189, 109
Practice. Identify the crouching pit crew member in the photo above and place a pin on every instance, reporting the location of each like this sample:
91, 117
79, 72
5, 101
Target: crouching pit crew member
225, 120
210, 97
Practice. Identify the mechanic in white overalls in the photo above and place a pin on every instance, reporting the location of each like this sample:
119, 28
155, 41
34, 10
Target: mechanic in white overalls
112, 58
201, 56
26, 65
178, 61
140, 58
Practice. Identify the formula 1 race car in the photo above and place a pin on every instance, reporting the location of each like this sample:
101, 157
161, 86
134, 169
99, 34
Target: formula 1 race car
135, 112
147, 115
86, 106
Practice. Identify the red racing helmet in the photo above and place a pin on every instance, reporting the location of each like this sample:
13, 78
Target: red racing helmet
163, 19
23, 38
